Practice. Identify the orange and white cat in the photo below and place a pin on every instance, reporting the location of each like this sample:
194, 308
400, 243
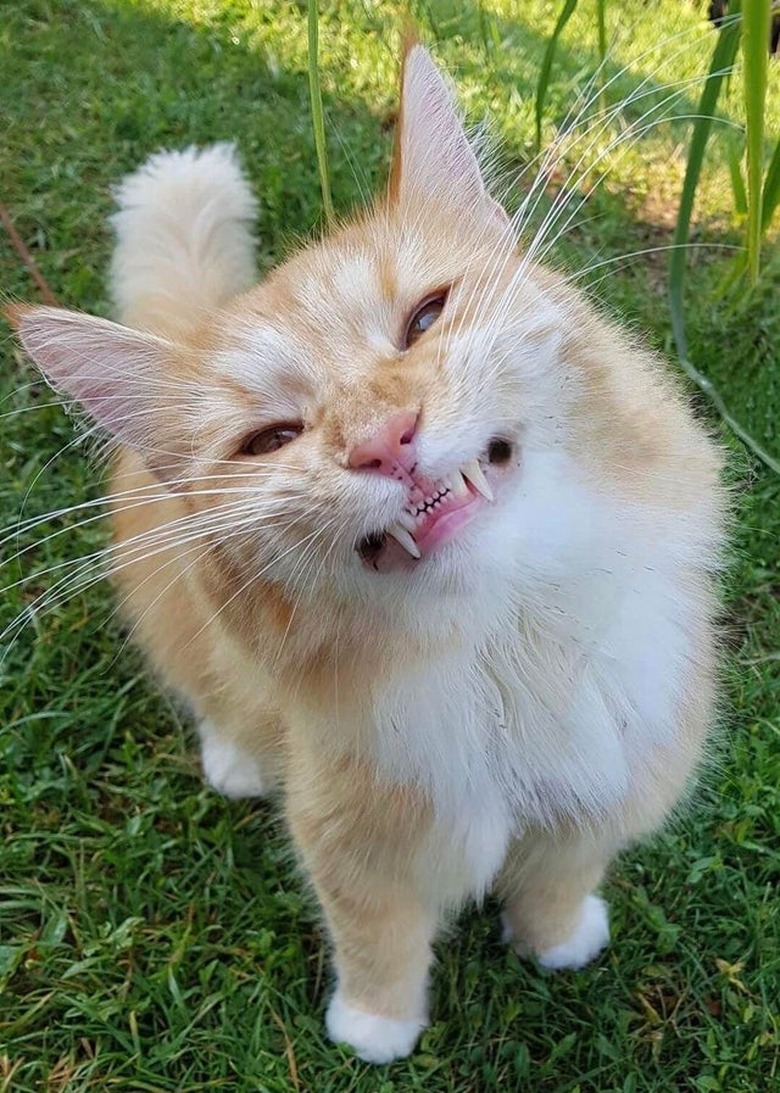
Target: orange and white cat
424, 541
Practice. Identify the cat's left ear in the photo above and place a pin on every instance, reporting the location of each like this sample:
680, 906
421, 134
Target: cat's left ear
433, 161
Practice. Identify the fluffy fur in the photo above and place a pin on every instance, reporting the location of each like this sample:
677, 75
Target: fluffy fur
509, 710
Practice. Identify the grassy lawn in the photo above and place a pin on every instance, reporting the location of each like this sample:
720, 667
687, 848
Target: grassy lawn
154, 937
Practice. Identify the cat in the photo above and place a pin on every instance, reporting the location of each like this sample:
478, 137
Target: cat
425, 542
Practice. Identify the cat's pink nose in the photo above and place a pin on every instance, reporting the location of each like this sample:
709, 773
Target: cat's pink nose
390, 448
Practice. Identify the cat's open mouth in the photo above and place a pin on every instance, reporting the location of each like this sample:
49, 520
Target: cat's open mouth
435, 511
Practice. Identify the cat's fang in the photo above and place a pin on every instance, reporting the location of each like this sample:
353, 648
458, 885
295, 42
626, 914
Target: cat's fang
458, 485
473, 472
402, 536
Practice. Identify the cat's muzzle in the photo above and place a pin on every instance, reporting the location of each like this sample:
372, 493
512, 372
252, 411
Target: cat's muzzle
435, 512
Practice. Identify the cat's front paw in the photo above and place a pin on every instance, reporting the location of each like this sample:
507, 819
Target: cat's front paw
585, 942
373, 1038
228, 769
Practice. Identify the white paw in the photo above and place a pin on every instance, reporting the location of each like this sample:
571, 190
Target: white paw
229, 769
589, 937
373, 1038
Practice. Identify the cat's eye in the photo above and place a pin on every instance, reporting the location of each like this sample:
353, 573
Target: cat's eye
424, 317
271, 439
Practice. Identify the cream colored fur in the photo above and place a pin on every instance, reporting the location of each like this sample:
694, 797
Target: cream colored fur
184, 239
507, 712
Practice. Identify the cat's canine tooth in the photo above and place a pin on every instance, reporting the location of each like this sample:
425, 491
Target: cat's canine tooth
473, 472
406, 520
402, 536
458, 485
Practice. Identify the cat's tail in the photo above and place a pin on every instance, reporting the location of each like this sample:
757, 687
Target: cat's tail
184, 239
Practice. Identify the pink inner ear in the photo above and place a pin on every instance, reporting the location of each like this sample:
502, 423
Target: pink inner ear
436, 159
117, 374
110, 404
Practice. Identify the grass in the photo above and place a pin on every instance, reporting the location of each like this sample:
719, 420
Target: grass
154, 937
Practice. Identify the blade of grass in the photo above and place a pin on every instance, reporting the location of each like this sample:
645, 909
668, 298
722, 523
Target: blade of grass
755, 24
734, 156
601, 19
546, 67
771, 196
601, 16
315, 94
710, 390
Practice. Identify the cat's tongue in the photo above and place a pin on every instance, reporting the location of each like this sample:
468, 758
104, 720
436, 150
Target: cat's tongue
445, 522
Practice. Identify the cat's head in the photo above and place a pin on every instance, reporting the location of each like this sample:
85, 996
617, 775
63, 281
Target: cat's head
362, 419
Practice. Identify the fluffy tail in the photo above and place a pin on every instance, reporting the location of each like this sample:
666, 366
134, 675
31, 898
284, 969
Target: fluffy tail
184, 239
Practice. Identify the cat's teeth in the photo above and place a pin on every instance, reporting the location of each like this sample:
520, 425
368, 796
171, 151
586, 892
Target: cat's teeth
473, 472
402, 536
406, 520
458, 485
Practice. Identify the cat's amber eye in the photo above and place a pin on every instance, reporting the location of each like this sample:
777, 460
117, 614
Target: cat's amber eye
424, 317
271, 439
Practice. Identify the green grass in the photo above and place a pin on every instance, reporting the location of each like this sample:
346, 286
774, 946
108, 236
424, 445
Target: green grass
155, 937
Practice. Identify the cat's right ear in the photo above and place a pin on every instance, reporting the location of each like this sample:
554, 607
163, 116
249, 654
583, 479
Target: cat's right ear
120, 376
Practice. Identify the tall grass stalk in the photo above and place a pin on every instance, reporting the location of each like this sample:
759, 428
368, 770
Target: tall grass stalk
318, 120
771, 195
755, 31
601, 19
747, 24
546, 67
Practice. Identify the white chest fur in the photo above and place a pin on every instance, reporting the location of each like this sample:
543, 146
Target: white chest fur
553, 721
577, 652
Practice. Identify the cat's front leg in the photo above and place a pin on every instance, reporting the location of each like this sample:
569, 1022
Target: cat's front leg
551, 909
241, 761
362, 845
382, 952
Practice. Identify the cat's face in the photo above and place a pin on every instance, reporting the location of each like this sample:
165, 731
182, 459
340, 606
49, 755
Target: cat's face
378, 395
363, 417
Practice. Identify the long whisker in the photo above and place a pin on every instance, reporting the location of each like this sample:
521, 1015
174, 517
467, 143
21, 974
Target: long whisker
255, 577
138, 502
159, 539
154, 536
554, 154
315, 578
